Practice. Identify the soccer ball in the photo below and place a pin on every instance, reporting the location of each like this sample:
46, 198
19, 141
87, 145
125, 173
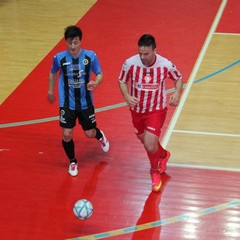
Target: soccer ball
83, 209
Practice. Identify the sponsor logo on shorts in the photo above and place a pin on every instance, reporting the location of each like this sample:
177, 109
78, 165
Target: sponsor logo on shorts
151, 128
62, 118
92, 118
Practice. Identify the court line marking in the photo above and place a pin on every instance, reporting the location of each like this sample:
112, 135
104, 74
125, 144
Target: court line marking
182, 165
193, 75
159, 223
114, 106
207, 133
225, 33
217, 72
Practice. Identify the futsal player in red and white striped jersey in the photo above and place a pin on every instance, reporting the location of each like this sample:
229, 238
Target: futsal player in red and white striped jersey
142, 83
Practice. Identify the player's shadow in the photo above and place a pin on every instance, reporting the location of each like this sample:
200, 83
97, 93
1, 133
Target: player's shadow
60, 212
151, 213
91, 185
88, 191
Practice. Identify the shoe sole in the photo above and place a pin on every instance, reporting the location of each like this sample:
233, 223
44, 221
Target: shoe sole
73, 175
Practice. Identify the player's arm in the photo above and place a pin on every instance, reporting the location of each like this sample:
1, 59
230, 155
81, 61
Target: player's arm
131, 101
51, 85
93, 84
175, 97
123, 85
99, 79
96, 69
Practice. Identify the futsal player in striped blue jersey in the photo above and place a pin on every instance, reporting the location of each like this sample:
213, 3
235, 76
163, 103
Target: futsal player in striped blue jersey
75, 87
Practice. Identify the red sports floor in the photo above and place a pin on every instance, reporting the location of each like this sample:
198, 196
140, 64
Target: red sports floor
37, 194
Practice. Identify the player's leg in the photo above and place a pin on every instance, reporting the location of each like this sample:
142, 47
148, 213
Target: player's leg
153, 151
67, 122
150, 142
88, 122
157, 154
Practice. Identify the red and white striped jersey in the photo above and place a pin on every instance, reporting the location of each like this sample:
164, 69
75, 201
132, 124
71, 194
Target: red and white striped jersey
148, 83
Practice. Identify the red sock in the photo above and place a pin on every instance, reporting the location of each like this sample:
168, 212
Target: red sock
155, 157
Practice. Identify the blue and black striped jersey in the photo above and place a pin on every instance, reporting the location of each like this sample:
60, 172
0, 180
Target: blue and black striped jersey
75, 73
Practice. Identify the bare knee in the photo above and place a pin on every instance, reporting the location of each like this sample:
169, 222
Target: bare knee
150, 147
67, 134
90, 133
150, 142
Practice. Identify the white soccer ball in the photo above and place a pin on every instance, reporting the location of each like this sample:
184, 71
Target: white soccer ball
83, 209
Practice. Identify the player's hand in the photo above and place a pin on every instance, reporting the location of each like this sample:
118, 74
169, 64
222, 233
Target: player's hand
91, 85
174, 99
132, 101
51, 98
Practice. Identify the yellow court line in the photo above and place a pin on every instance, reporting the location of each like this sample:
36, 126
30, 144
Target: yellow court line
159, 223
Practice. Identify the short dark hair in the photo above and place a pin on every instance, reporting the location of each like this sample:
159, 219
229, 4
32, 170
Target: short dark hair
72, 32
147, 40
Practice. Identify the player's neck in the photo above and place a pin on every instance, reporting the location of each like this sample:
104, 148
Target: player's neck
153, 62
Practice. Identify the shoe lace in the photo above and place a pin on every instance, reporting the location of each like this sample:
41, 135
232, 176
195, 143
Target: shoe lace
102, 141
73, 166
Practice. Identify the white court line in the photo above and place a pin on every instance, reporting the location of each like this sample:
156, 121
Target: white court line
208, 133
193, 75
197, 166
230, 34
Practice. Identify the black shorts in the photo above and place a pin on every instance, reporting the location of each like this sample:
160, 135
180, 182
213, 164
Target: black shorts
86, 118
